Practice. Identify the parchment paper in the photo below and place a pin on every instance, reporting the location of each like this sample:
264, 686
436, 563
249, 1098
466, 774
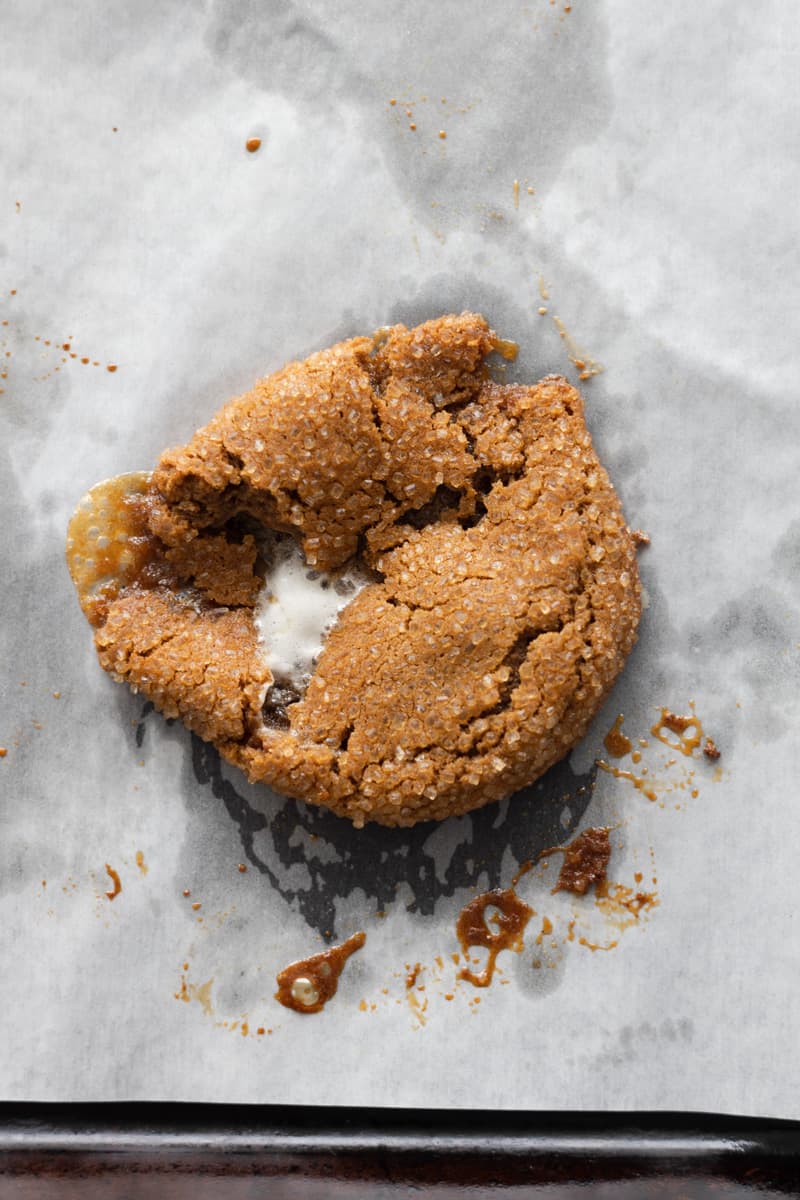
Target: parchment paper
631, 169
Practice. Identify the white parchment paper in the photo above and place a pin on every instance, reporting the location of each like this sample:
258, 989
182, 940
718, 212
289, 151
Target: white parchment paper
632, 170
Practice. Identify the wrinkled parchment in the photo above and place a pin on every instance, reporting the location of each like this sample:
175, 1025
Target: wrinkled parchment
632, 171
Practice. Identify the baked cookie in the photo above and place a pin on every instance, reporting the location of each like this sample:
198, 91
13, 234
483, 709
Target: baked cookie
379, 581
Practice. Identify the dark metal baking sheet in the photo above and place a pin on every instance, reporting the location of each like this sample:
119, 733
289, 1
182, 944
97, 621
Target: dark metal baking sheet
177, 1152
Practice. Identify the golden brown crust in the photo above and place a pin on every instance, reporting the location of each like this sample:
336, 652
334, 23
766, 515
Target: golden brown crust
507, 593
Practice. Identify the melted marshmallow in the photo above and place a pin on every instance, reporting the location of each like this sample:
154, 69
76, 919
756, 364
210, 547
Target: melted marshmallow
297, 607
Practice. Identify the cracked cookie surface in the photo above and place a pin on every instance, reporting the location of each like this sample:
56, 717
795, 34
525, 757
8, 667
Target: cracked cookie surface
503, 595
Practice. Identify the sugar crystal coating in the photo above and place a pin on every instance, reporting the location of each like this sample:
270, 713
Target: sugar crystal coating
505, 593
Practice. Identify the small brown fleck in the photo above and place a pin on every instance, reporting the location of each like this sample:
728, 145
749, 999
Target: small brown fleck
412, 974
186, 892
442, 134
196, 905
710, 749
116, 884
252, 144
3, 752
242, 867
111, 367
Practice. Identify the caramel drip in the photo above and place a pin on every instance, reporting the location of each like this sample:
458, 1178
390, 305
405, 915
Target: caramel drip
638, 781
472, 929
616, 742
506, 350
687, 742
108, 541
308, 985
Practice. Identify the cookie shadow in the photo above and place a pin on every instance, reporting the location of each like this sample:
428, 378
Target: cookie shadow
430, 861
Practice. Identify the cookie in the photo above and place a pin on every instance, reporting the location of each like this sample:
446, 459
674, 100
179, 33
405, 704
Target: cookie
379, 582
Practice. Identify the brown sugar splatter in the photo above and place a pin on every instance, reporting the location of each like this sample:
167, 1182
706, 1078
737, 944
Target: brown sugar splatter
710, 749
201, 992
624, 905
473, 930
115, 880
687, 741
546, 930
586, 367
141, 864
418, 1007
252, 145
585, 861
582, 941
640, 782
412, 974
616, 742
307, 985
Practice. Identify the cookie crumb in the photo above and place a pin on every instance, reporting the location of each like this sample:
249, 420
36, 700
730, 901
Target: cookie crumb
585, 861
710, 749
640, 538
